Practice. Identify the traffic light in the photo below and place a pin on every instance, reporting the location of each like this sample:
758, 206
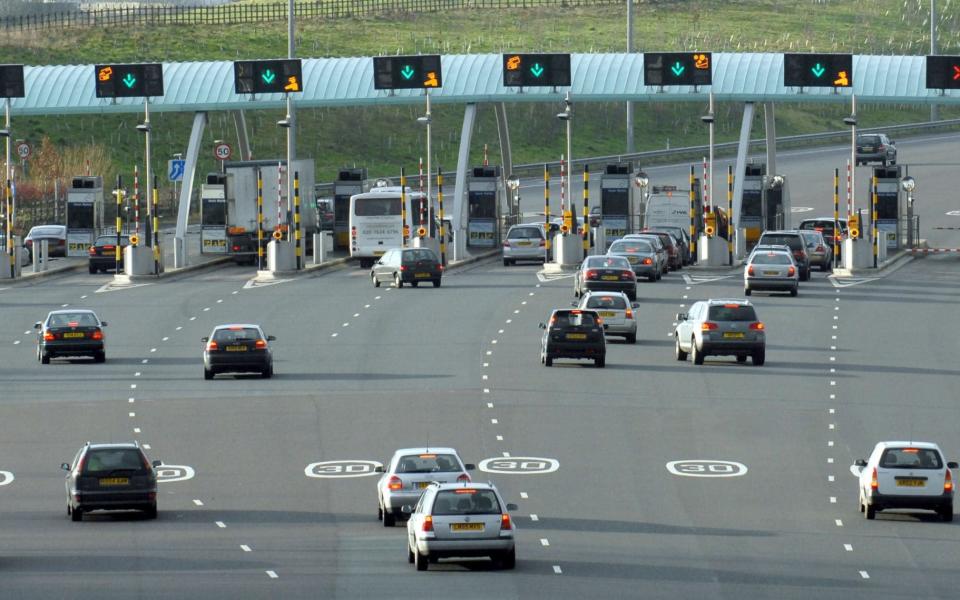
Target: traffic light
407, 72
818, 70
11, 81
677, 68
281, 76
129, 81
536, 70
943, 72
710, 226
854, 227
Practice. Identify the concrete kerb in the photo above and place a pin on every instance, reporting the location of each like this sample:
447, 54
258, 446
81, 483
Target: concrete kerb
889, 266
51, 271
173, 273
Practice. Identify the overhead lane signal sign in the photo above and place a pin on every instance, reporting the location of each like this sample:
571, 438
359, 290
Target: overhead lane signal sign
11, 81
407, 72
536, 70
943, 72
129, 81
279, 76
818, 70
678, 68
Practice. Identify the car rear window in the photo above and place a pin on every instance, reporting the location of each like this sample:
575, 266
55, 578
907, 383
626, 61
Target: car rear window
428, 463
732, 312
236, 334
911, 458
466, 501
868, 139
826, 227
771, 258
410, 256
632, 247
518, 233
782, 240
72, 320
607, 302
608, 262
574, 319
104, 460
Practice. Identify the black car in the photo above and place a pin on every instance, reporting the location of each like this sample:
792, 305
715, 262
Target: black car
111, 477
407, 265
70, 332
607, 274
103, 253
237, 348
573, 333
794, 241
875, 147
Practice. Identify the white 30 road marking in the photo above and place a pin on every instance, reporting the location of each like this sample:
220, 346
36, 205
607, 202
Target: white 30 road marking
171, 473
519, 465
332, 469
6, 477
706, 468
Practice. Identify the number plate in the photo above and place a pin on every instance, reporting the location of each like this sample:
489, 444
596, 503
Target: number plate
73, 335
108, 481
607, 313
771, 272
422, 275
633, 260
733, 334
522, 243
236, 348
910, 483
422, 484
576, 336
466, 527
609, 277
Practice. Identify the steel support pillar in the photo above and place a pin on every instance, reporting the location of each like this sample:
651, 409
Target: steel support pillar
460, 182
743, 151
186, 189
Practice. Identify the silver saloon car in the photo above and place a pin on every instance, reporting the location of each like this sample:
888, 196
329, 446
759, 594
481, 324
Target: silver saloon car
773, 271
524, 242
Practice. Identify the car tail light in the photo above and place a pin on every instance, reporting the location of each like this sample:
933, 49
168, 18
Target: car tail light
543, 243
212, 345
395, 483
96, 335
948, 482
629, 314
874, 485
648, 261
627, 275
49, 337
92, 250
758, 326
260, 344
791, 271
236, 248
599, 320
427, 523
403, 267
464, 478
591, 274
505, 524
708, 326
506, 243
750, 270
353, 232
439, 267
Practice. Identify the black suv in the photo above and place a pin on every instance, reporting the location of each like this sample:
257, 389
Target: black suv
573, 333
875, 147
111, 477
797, 246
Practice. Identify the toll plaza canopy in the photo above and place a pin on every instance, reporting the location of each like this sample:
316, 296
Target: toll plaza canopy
475, 78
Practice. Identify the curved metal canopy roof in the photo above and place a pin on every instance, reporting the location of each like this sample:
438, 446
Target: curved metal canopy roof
208, 86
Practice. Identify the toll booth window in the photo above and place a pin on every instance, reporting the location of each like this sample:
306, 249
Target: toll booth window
377, 207
751, 203
80, 216
887, 206
615, 202
732, 312
214, 212
483, 205
341, 208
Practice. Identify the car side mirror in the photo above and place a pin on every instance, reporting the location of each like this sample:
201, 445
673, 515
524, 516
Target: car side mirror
65, 466
681, 316
103, 323
952, 465
37, 325
157, 463
635, 305
543, 325
406, 509
893, 141
378, 469
860, 463
204, 339
271, 338
512, 506
573, 304
470, 467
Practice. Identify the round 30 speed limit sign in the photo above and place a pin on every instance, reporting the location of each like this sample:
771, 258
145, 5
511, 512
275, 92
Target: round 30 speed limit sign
222, 151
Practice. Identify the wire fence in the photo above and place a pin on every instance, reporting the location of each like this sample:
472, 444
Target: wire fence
236, 14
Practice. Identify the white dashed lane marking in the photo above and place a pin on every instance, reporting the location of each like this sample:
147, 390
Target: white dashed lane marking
544, 542
494, 421
198, 502
831, 478
272, 574
245, 547
524, 495
534, 517
221, 524
132, 415
16, 342
136, 430
489, 404
839, 522
833, 499
848, 547
144, 361
179, 327
165, 339
499, 438
864, 575
333, 335
133, 386
207, 309
557, 570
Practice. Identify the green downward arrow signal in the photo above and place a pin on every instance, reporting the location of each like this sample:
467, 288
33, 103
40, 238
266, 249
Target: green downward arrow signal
129, 80
268, 76
536, 69
677, 68
407, 71
818, 70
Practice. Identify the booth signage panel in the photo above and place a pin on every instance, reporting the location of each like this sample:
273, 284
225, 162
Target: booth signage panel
887, 230
481, 233
79, 242
213, 240
614, 227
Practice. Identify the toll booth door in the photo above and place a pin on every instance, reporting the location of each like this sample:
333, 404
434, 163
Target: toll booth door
341, 221
213, 220
888, 206
615, 212
80, 227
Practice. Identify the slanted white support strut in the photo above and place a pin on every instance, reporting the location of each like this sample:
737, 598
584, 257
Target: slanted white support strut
186, 189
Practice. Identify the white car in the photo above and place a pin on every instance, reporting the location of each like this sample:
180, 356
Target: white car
409, 472
906, 475
524, 242
616, 310
460, 520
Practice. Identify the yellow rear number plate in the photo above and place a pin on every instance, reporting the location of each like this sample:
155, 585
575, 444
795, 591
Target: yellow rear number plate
609, 277
422, 275
771, 272
108, 481
423, 484
733, 334
466, 527
576, 336
607, 313
910, 483
73, 335
236, 348
522, 243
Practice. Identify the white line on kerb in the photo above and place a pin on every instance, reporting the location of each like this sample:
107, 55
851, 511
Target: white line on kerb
864, 575
198, 502
544, 542
272, 574
848, 547
221, 524
534, 517
245, 547
556, 569
839, 522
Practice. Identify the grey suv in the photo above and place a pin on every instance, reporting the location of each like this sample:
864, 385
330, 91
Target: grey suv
111, 477
875, 147
720, 327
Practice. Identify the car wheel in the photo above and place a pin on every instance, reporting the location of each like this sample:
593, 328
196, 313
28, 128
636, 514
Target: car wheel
747, 291
414, 283
507, 560
436, 283
44, 358
389, 519
869, 511
548, 361
600, 362
100, 357
93, 270
677, 351
409, 554
741, 358
794, 292
151, 512
652, 277
380, 513
76, 515
695, 354
632, 338
397, 282
207, 373
946, 513
420, 561
373, 278
759, 357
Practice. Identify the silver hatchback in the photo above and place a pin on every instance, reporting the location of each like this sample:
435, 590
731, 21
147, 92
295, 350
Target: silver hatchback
524, 242
720, 327
616, 310
410, 471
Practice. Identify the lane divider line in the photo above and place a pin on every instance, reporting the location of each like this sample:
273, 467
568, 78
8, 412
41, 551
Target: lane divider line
198, 502
245, 547
272, 574
221, 524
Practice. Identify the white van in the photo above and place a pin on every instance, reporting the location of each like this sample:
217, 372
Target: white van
665, 210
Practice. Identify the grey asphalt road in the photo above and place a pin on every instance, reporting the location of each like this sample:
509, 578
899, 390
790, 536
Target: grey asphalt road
362, 371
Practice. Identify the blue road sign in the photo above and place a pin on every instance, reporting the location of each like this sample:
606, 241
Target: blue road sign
175, 169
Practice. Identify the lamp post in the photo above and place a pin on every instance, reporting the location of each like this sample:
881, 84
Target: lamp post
427, 121
287, 124
708, 119
642, 181
513, 183
567, 116
851, 121
909, 184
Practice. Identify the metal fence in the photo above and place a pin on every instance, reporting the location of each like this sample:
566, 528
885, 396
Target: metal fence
235, 14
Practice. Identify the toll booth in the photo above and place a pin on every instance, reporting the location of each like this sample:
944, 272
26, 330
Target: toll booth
213, 213
483, 207
776, 203
889, 204
84, 214
751, 202
617, 213
348, 183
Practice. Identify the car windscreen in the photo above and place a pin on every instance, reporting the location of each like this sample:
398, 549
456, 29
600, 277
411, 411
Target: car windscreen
631, 247
770, 258
519, 233
608, 262
606, 302
236, 334
419, 254
731, 312
377, 207
911, 458
781, 240
812, 239
826, 227
114, 459
72, 320
428, 463
570, 318
466, 501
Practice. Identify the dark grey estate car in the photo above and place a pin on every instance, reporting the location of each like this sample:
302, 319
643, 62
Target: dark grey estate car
875, 147
111, 477
407, 265
70, 332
